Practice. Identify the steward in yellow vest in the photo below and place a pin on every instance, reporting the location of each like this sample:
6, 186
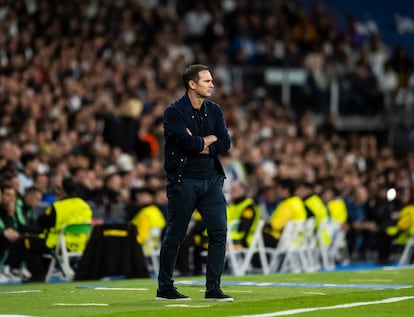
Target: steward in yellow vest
242, 215
291, 208
314, 205
148, 215
337, 210
68, 209
398, 233
404, 226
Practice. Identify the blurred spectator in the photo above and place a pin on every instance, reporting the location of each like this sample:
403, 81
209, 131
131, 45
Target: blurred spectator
29, 162
111, 200
360, 226
30, 209
402, 64
196, 21
267, 198
10, 231
82, 87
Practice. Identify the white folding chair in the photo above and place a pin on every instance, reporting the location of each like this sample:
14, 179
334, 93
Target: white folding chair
240, 258
310, 246
289, 254
408, 251
61, 258
331, 241
151, 249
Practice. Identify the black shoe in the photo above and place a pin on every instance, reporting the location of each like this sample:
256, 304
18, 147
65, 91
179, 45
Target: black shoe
171, 294
217, 294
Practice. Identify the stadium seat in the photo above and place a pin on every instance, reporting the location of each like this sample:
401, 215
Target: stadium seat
311, 247
408, 252
240, 258
61, 258
332, 244
290, 252
151, 249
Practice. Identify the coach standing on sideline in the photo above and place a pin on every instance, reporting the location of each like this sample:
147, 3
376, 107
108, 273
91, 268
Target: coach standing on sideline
195, 134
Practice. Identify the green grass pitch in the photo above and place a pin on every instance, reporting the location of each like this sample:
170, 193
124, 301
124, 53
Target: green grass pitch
368, 293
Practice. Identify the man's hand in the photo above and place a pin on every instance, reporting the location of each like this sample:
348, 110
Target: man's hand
11, 234
208, 140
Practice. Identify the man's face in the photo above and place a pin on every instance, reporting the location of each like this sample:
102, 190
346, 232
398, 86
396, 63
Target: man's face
9, 195
9, 200
204, 86
33, 199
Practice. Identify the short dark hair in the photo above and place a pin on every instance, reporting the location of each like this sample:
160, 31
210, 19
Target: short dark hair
5, 184
32, 189
191, 73
25, 158
69, 186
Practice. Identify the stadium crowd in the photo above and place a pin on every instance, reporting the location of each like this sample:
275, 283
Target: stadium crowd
83, 87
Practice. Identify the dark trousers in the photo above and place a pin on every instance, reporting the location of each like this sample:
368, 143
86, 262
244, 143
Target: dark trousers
185, 257
183, 198
33, 249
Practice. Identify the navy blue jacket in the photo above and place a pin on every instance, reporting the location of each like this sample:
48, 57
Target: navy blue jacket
179, 144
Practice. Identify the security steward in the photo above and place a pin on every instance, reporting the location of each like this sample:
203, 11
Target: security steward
243, 213
68, 209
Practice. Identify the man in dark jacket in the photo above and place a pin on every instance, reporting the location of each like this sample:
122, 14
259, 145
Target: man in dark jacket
195, 134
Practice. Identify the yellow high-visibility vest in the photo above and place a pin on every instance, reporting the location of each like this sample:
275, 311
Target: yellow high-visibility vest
291, 208
69, 211
246, 209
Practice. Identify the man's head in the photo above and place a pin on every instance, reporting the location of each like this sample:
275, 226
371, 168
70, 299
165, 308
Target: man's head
144, 195
29, 162
198, 78
33, 197
238, 190
69, 186
8, 196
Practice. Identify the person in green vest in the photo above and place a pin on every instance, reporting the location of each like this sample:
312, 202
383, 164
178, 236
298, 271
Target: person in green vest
10, 231
28, 209
67, 209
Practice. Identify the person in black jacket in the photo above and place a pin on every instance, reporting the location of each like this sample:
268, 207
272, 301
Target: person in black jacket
195, 134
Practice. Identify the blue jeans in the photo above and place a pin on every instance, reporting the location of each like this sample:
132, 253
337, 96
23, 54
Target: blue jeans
205, 195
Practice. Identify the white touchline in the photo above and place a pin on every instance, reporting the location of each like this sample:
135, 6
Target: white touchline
80, 304
232, 291
187, 306
120, 289
16, 316
350, 305
20, 292
313, 293
370, 280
